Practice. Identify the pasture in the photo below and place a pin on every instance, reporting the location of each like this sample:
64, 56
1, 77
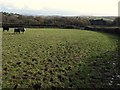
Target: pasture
53, 58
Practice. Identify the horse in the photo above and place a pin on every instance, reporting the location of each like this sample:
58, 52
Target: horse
5, 28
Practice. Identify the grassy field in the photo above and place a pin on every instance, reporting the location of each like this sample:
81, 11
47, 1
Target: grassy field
53, 58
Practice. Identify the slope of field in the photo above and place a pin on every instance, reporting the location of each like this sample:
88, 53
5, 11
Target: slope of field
49, 58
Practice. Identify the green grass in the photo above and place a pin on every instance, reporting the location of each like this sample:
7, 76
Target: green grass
48, 58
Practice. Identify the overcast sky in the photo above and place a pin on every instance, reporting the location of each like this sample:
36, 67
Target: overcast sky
61, 7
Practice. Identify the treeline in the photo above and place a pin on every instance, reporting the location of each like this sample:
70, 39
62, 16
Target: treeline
15, 20
113, 28
116, 22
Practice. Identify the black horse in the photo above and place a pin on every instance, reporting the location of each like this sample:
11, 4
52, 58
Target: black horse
5, 28
18, 30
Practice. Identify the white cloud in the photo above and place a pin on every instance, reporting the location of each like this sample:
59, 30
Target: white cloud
76, 7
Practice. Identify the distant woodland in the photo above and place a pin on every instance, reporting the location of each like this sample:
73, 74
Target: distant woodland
15, 20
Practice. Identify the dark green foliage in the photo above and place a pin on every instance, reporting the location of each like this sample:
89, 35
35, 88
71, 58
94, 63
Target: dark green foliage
116, 22
111, 30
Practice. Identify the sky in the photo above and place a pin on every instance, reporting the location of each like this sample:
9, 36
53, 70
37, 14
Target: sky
61, 7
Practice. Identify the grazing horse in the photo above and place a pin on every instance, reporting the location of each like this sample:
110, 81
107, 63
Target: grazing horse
19, 30
5, 28
22, 30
